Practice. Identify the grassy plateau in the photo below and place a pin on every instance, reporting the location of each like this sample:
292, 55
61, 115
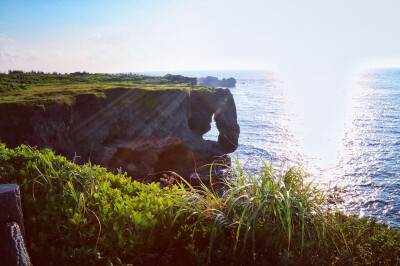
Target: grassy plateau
38, 88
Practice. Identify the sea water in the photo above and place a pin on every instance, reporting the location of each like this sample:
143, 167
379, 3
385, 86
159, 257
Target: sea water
352, 143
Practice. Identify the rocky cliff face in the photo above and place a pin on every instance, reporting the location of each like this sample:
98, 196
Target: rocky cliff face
142, 132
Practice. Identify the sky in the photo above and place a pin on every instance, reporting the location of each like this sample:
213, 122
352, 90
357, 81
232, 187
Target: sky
157, 35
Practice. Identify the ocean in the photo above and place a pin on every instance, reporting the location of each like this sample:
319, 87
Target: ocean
351, 143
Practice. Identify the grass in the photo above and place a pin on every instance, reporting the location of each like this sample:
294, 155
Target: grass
45, 94
39, 89
265, 210
84, 214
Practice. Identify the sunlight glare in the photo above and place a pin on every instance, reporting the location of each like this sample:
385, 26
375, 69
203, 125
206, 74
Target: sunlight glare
319, 106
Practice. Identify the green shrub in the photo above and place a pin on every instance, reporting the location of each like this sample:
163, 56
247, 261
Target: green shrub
86, 215
83, 214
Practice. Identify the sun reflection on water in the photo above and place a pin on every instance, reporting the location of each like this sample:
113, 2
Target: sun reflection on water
367, 153
346, 137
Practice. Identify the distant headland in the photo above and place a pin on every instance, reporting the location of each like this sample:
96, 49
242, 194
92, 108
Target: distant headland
214, 82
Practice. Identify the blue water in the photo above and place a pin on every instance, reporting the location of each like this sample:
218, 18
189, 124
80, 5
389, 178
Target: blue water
355, 146
370, 160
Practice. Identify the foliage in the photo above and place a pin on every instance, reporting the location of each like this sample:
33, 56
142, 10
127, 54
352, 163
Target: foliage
38, 88
86, 215
18, 79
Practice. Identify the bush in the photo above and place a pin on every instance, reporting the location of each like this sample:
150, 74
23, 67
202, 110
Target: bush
86, 215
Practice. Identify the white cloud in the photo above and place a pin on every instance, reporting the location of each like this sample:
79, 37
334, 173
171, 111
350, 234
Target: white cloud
31, 56
16, 59
5, 39
95, 37
8, 56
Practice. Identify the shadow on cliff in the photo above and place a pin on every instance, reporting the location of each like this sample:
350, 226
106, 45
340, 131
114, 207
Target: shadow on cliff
142, 132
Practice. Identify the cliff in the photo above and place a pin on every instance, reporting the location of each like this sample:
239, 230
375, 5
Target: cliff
140, 131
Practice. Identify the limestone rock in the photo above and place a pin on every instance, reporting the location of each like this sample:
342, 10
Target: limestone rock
12, 245
142, 132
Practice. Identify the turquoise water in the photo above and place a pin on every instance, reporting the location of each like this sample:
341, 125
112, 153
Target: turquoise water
350, 139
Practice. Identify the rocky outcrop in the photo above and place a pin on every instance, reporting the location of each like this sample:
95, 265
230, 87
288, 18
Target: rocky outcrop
214, 82
12, 244
143, 132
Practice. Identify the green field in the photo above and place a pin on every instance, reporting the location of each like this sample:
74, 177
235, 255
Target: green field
37, 88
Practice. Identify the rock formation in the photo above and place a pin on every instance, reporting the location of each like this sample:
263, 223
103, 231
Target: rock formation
214, 82
12, 232
142, 132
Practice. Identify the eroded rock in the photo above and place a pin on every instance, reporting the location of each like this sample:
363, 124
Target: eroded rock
142, 132
12, 233
214, 82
